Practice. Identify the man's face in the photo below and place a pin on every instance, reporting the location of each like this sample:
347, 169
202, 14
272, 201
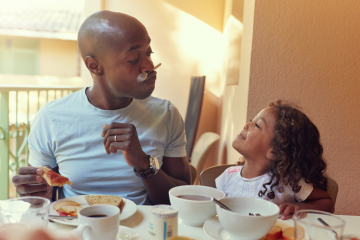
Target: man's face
126, 57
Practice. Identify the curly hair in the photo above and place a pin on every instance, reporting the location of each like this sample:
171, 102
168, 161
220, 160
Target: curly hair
297, 152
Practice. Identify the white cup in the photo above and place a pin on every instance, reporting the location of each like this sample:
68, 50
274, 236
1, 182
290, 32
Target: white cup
94, 228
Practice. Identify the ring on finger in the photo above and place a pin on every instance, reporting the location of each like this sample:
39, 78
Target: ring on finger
115, 138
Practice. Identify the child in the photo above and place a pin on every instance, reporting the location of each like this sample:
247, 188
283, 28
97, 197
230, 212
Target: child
283, 162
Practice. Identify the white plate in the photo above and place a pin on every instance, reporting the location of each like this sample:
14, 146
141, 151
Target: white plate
215, 231
126, 233
128, 209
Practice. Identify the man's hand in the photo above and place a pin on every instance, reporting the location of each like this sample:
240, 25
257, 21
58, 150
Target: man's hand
29, 182
127, 141
288, 208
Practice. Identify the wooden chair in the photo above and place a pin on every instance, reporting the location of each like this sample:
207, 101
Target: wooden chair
332, 188
208, 176
202, 149
193, 173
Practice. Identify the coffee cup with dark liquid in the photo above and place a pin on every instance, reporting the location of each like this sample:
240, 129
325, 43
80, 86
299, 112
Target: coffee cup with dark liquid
98, 222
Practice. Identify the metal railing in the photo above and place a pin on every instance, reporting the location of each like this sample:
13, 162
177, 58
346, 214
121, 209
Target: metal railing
16, 114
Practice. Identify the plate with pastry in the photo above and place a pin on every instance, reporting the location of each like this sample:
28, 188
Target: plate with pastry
71, 205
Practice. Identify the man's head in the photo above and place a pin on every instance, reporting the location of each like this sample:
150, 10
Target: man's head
116, 49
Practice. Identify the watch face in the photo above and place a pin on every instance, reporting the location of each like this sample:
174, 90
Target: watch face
154, 162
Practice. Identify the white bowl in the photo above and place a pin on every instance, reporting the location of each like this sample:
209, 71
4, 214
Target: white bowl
192, 212
240, 225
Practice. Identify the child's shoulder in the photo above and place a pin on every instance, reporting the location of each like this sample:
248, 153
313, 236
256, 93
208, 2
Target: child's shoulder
234, 169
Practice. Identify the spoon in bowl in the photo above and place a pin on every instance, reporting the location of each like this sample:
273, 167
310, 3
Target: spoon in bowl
142, 76
220, 204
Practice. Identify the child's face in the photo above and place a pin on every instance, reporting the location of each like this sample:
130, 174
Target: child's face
254, 140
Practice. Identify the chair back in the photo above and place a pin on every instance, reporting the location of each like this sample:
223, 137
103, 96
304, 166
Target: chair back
193, 112
202, 149
332, 188
208, 176
193, 173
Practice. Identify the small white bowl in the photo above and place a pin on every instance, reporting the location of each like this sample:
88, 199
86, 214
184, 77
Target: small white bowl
193, 212
240, 225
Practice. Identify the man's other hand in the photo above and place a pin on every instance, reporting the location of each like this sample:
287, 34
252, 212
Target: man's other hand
123, 137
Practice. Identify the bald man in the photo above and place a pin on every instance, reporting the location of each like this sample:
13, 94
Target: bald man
113, 138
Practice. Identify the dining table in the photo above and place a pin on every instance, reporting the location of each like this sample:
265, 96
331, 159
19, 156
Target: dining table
140, 223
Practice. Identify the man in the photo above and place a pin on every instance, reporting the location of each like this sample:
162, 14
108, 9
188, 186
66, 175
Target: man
109, 138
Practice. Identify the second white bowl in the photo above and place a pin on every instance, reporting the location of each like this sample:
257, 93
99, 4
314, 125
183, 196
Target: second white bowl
240, 225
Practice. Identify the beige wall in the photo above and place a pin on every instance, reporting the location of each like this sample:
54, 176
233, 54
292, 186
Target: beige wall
235, 97
58, 58
210, 12
306, 52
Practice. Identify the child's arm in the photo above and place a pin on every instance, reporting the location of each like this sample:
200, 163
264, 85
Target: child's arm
317, 200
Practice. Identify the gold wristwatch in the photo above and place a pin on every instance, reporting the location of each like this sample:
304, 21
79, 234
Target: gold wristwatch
152, 170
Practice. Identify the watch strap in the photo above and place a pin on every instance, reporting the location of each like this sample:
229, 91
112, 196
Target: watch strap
146, 173
152, 170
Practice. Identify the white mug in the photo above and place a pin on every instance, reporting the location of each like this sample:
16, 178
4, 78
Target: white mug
93, 226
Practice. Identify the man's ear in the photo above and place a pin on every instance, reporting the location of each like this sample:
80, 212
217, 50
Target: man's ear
270, 155
94, 66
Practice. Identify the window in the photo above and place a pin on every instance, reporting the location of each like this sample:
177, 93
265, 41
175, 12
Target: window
19, 56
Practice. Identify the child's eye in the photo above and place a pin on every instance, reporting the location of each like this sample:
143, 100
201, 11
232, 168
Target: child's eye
134, 62
149, 54
257, 125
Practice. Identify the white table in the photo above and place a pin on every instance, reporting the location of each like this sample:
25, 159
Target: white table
140, 220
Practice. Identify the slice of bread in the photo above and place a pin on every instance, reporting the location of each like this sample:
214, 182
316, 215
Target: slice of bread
59, 205
54, 179
104, 199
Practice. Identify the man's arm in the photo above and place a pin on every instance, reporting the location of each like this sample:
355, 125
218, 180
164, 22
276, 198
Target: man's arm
175, 171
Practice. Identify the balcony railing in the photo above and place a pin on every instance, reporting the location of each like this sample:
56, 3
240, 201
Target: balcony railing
18, 107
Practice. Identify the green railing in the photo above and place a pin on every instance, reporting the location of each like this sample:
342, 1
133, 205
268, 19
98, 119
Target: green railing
18, 107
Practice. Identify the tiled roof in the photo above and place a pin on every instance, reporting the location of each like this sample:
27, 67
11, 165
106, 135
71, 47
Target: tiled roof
41, 18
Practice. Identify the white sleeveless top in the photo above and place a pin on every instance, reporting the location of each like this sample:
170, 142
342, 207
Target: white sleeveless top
233, 184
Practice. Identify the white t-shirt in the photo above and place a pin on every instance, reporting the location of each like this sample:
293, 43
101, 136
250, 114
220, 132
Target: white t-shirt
233, 184
67, 133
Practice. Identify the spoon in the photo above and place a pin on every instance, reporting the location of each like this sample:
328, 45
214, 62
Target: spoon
220, 204
142, 76
327, 225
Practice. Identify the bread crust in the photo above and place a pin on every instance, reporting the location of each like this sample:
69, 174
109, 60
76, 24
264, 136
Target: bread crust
45, 175
104, 199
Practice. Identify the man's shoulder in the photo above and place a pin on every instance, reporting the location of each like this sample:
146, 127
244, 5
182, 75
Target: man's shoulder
69, 102
154, 102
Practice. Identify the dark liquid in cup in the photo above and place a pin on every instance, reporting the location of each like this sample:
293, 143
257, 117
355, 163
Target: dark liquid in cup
97, 215
194, 197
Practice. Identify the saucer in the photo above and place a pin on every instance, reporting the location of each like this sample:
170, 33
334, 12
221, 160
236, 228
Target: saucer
126, 233
212, 227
